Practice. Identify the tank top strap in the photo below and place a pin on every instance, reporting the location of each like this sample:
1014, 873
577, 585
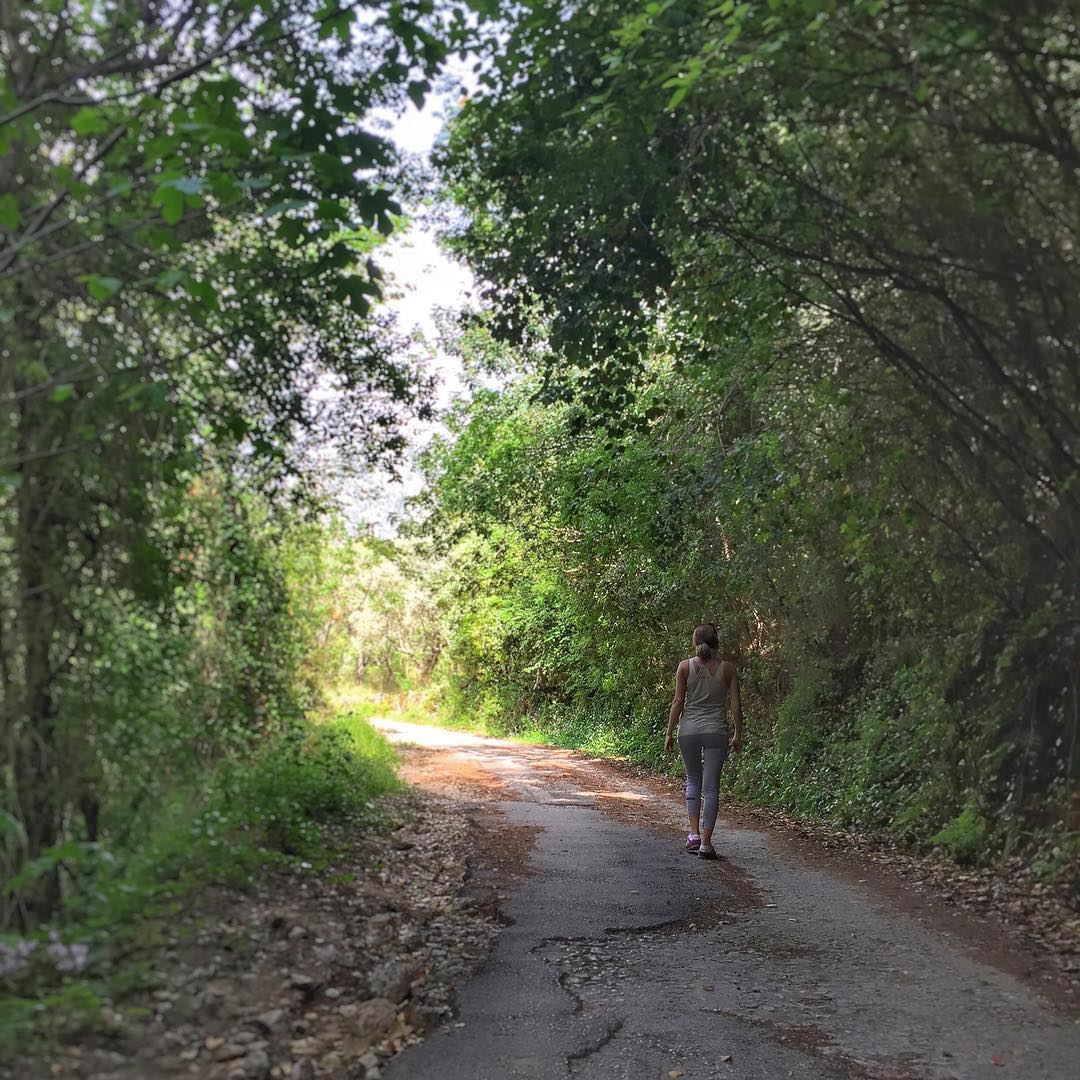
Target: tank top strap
702, 667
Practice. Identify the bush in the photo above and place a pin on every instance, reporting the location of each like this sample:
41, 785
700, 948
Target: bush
304, 778
964, 838
267, 809
258, 811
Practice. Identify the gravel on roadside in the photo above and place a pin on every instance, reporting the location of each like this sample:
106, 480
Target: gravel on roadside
310, 973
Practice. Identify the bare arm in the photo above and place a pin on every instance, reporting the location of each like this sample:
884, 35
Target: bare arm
736, 705
676, 705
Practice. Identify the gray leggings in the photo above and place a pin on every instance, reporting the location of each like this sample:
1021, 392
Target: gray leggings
703, 785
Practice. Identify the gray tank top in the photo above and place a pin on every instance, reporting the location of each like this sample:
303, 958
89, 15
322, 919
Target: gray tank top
706, 697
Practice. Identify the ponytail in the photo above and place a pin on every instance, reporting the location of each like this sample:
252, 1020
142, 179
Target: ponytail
708, 644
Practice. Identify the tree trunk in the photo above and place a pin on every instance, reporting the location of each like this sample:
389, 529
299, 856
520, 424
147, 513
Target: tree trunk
37, 797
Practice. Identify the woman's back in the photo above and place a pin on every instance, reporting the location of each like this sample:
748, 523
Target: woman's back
706, 698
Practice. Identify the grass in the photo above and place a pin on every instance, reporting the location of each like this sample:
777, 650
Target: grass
266, 809
412, 707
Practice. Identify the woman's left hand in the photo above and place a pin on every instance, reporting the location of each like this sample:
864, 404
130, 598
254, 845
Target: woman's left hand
669, 743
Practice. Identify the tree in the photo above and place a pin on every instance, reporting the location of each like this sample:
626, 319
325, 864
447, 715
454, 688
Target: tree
855, 224
189, 200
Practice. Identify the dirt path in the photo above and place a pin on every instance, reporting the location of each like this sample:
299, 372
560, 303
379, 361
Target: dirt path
626, 958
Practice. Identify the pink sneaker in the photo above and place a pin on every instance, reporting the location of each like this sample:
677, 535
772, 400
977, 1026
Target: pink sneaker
692, 842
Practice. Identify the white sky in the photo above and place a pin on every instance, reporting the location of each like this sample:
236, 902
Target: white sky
423, 281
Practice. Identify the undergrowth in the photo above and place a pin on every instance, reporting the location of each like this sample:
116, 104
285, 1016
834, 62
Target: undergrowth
248, 813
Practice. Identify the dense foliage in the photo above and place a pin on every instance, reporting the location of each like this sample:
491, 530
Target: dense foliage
189, 734
191, 196
789, 285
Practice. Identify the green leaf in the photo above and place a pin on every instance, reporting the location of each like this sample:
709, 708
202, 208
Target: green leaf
237, 425
339, 24
171, 202
37, 868
90, 120
99, 286
169, 278
130, 392
204, 292
417, 91
331, 210
10, 214
280, 207
291, 230
356, 292
226, 190
62, 392
676, 99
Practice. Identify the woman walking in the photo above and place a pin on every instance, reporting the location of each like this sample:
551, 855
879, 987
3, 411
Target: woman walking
704, 685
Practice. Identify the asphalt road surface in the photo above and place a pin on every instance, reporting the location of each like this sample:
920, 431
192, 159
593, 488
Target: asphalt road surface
627, 959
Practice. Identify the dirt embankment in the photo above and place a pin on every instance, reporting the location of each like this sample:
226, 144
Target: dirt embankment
316, 973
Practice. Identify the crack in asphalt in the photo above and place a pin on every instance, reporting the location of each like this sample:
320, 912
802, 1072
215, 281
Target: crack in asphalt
811, 1040
564, 966
558, 939
682, 923
563, 980
577, 1056
806, 1039
567, 988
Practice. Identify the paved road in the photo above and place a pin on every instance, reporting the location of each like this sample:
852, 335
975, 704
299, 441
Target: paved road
627, 959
